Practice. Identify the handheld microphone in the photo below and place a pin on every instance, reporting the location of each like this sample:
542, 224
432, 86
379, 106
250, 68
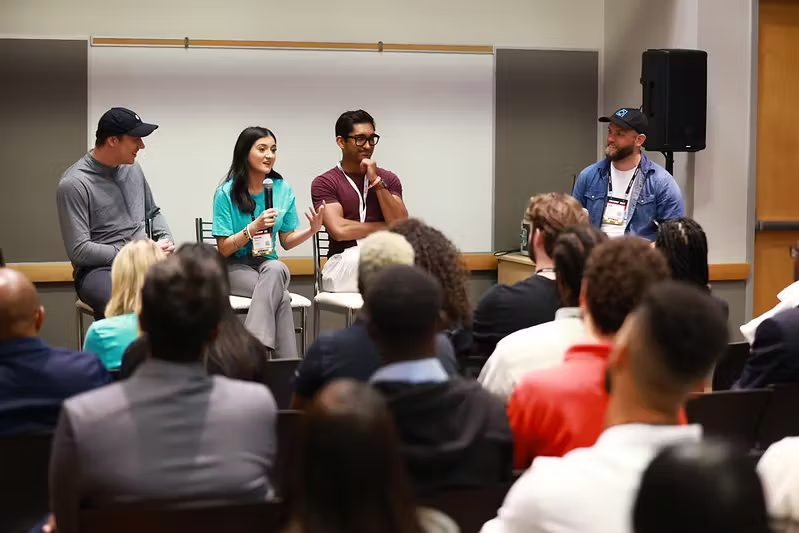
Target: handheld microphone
268, 193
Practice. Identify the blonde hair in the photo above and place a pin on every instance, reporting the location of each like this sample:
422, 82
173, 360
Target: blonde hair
379, 250
128, 271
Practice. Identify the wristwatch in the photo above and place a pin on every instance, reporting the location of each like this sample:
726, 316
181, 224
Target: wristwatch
378, 183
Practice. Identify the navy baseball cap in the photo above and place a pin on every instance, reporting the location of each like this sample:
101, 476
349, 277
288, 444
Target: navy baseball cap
122, 121
629, 118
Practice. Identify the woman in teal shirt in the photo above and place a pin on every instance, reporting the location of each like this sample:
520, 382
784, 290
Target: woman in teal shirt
240, 217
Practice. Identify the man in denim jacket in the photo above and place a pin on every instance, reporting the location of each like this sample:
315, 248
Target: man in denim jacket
627, 193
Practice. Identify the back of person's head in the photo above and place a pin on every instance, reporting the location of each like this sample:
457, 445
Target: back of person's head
183, 300
379, 250
549, 214
669, 344
684, 244
128, 270
21, 313
700, 487
617, 275
572, 249
403, 311
436, 254
236, 353
347, 474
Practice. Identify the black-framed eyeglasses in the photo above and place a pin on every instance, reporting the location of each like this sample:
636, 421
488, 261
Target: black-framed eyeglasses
361, 140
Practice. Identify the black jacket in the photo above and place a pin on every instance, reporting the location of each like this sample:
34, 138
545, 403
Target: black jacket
453, 434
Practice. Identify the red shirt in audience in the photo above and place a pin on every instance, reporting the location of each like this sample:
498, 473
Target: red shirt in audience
556, 410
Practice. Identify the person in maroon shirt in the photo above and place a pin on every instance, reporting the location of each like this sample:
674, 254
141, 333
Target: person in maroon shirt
360, 198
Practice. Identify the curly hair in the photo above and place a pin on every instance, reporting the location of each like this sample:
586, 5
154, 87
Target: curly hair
550, 213
436, 254
617, 276
684, 244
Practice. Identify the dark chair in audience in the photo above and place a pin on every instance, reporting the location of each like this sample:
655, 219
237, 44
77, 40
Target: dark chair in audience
24, 462
469, 508
267, 517
473, 365
729, 368
780, 419
734, 415
115, 374
287, 427
279, 379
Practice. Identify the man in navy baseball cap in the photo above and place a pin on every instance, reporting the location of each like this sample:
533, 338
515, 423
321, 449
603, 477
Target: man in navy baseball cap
121, 121
626, 192
104, 202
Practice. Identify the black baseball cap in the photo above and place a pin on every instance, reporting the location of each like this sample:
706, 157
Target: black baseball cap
122, 121
629, 118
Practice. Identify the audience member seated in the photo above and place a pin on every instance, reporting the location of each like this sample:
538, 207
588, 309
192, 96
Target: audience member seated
109, 338
663, 353
774, 354
684, 243
350, 353
700, 487
436, 254
779, 472
453, 433
347, 471
544, 345
35, 378
170, 434
788, 297
556, 410
506, 309
234, 352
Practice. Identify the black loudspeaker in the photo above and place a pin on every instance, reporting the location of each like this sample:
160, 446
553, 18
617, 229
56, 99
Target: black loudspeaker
674, 86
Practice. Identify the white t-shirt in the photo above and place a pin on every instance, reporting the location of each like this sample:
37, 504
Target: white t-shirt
620, 180
534, 348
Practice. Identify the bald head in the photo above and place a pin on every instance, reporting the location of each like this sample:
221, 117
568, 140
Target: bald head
21, 313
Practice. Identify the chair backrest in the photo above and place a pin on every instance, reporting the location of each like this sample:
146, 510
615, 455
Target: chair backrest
202, 231
780, 419
733, 415
287, 426
24, 463
266, 517
321, 245
469, 508
279, 379
730, 366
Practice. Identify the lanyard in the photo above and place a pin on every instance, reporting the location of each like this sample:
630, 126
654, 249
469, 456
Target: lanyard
361, 199
629, 185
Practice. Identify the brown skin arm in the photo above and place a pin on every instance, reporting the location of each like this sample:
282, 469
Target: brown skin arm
342, 229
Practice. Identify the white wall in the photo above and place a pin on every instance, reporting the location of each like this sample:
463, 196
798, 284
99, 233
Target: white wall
715, 181
539, 23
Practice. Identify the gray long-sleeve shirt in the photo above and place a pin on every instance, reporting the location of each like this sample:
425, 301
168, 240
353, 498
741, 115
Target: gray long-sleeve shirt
102, 208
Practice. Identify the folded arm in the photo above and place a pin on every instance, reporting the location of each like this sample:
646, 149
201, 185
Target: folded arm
342, 229
391, 205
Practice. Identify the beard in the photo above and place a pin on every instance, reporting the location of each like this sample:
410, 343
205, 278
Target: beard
619, 153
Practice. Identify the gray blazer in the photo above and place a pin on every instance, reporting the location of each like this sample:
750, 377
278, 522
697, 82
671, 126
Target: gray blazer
170, 433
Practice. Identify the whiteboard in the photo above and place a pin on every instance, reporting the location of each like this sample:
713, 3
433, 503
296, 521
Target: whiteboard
434, 113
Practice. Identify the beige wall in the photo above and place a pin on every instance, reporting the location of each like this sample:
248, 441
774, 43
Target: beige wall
539, 23
716, 181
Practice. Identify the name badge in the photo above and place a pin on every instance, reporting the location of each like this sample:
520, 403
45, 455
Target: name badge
615, 211
262, 244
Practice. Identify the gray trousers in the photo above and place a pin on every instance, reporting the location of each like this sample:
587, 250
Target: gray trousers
269, 319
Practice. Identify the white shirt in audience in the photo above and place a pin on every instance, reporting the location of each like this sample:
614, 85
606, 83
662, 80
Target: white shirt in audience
589, 490
535, 348
788, 297
779, 473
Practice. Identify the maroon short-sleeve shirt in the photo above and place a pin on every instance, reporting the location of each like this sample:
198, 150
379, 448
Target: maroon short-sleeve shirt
335, 187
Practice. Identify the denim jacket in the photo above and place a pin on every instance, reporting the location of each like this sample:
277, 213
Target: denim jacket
654, 198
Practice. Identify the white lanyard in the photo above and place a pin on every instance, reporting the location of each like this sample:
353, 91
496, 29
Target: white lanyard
361, 199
